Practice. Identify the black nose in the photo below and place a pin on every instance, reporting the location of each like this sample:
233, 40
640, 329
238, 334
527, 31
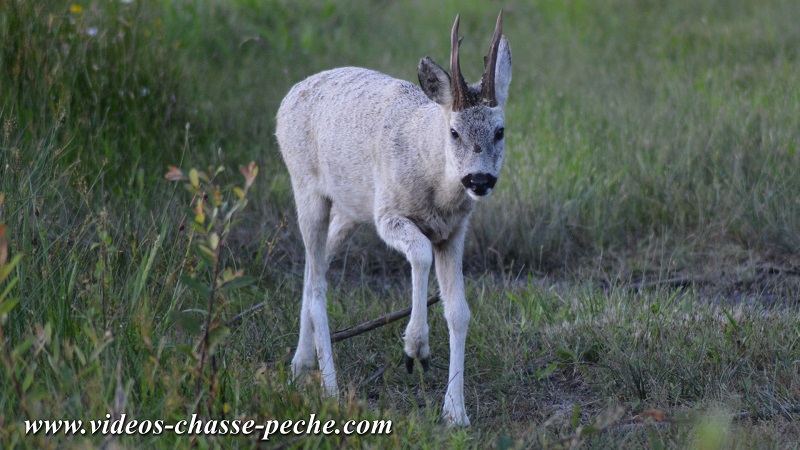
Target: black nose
479, 183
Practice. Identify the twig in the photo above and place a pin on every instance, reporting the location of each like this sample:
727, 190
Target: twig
246, 312
774, 270
206, 334
782, 410
375, 323
377, 374
347, 332
678, 281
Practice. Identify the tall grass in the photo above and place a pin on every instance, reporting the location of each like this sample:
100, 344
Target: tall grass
630, 122
96, 74
643, 136
641, 120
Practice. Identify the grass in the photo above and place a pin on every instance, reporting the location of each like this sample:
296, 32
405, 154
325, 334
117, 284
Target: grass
633, 280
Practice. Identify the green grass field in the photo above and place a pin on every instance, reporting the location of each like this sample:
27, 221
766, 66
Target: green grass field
634, 279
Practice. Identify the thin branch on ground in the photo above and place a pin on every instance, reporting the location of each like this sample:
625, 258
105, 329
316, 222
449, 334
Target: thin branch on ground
783, 410
375, 376
351, 331
674, 282
245, 313
375, 323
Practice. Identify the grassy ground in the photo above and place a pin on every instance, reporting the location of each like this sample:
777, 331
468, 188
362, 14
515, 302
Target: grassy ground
633, 280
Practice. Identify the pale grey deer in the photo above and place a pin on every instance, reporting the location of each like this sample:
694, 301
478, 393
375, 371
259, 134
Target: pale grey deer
361, 146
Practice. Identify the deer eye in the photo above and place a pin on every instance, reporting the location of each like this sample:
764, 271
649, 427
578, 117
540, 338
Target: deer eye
454, 133
498, 135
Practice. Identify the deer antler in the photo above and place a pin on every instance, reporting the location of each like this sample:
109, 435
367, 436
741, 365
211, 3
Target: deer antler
457, 84
490, 61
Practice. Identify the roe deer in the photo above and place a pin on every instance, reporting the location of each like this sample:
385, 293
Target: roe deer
361, 146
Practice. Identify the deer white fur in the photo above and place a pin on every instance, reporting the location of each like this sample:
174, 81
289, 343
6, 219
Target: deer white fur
361, 146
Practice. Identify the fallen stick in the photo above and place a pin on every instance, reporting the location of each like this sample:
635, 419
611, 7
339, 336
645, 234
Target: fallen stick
763, 414
375, 375
675, 282
375, 323
246, 312
351, 331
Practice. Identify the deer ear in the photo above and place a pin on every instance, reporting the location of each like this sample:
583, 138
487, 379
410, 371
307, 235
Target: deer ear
502, 73
435, 82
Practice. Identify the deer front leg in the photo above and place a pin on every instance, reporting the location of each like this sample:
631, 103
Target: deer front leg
456, 310
401, 234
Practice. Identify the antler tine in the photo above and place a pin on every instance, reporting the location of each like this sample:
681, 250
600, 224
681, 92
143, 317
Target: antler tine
457, 83
487, 84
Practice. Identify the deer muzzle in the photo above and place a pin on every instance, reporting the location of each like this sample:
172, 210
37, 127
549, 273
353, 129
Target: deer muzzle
479, 183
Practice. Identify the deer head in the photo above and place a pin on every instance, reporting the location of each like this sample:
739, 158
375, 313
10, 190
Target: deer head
475, 112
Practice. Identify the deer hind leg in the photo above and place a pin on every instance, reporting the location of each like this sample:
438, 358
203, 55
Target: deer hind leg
340, 226
400, 233
313, 211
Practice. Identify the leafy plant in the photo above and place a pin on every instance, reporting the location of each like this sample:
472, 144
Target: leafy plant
212, 215
102, 272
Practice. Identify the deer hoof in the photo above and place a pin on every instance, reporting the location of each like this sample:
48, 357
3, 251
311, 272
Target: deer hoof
425, 364
409, 364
